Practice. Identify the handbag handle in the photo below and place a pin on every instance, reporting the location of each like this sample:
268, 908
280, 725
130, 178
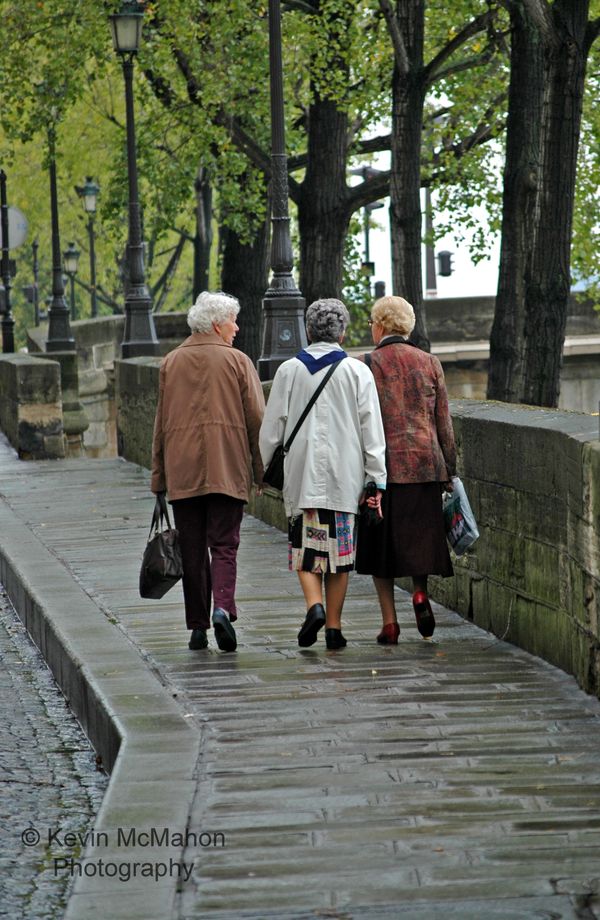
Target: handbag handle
161, 511
309, 405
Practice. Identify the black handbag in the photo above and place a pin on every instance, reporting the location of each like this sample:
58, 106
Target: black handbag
161, 563
273, 475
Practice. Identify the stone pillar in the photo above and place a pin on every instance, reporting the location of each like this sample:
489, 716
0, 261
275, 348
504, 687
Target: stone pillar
31, 406
75, 421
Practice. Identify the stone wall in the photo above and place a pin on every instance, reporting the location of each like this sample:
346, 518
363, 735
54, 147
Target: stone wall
533, 577
31, 412
136, 394
98, 344
533, 478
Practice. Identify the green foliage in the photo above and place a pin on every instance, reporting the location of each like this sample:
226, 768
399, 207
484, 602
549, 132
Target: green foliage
586, 222
203, 64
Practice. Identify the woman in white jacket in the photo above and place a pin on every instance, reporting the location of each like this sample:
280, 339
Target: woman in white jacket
339, 448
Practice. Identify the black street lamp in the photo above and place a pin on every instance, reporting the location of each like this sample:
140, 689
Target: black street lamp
71, 263
89, 193
283, 304
140, 335
60, 337
8, 323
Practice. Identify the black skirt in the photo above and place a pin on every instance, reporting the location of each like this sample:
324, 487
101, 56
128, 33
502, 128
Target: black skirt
411, 539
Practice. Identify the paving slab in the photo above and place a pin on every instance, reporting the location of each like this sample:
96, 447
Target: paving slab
457, 778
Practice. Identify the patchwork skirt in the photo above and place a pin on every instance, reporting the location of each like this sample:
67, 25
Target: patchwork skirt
321, 541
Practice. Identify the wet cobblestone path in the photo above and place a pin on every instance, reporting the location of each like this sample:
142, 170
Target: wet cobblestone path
49, 784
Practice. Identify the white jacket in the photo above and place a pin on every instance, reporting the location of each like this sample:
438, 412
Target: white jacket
341, 444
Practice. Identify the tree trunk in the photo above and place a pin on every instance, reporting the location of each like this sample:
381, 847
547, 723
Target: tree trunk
244, 274
521, 182
203, 235
548, 280
545, 103
408, 94
323, 213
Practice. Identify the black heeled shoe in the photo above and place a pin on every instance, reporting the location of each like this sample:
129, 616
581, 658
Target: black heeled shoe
314, 621
334, 639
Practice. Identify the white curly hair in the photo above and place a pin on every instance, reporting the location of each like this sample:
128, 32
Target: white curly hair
212, 307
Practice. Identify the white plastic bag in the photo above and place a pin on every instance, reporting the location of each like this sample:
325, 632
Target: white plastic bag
459, 520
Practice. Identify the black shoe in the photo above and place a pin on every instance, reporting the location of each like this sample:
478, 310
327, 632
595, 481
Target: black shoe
334, 639
224, 631
315, 619
198, 639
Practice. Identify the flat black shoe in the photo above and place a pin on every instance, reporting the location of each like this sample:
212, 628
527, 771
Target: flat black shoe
198, 639
224, 631
334, 639
315, 620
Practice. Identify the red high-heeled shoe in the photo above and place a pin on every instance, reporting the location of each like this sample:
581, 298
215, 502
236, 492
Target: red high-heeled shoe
389, 634
423, 614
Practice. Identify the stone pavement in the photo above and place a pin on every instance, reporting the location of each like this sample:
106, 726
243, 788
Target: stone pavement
452, 778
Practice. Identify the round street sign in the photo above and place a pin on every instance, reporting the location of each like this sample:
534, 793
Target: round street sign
17, 228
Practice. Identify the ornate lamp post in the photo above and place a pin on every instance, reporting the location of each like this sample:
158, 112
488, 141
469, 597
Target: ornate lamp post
89, 193
140, 335
60, 337
71, 263
8, 323
283, 304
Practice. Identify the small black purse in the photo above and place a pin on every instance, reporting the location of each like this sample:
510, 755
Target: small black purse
162, 566
273, 475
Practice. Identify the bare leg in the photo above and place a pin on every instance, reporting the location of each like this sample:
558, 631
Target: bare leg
385, 593
312, 587
335, 593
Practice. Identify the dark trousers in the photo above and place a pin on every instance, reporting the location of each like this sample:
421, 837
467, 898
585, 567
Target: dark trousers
209, 535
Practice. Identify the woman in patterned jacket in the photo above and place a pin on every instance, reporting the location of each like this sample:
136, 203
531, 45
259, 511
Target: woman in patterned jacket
420, 461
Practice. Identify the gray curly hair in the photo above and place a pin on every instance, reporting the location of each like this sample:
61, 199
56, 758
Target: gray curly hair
326, 320
211, 307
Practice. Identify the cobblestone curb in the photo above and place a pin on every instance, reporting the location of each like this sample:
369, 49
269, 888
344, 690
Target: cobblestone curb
132, 722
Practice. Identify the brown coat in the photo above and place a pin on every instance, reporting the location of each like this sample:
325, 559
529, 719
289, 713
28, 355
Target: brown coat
416, 418
209, 412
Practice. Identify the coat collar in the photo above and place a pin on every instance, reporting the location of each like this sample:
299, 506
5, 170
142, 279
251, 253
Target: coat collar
204, 338
393, 340
321, 354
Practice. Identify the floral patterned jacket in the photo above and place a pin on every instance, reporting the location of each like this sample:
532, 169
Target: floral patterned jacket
414, 406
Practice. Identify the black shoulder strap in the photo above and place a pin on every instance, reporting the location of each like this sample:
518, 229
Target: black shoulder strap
309, 406
368, 360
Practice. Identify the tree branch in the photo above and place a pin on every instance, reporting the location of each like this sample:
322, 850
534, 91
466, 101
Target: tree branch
370, 190
164, 281
160, 87
255, 153
398, 45
433, 69
303, 6
591, 34
466, 64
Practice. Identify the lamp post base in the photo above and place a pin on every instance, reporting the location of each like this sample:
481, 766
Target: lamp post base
139, 337
284, 333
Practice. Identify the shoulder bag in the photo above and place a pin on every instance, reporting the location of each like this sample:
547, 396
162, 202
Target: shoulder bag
273, 475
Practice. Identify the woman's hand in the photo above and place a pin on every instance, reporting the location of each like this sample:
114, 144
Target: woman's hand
374, 501
448, 486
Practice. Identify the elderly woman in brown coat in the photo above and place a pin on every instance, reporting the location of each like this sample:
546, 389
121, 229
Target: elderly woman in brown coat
205, 456
420, 462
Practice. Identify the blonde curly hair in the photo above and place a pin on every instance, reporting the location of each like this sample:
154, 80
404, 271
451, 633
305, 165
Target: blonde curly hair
394, 315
